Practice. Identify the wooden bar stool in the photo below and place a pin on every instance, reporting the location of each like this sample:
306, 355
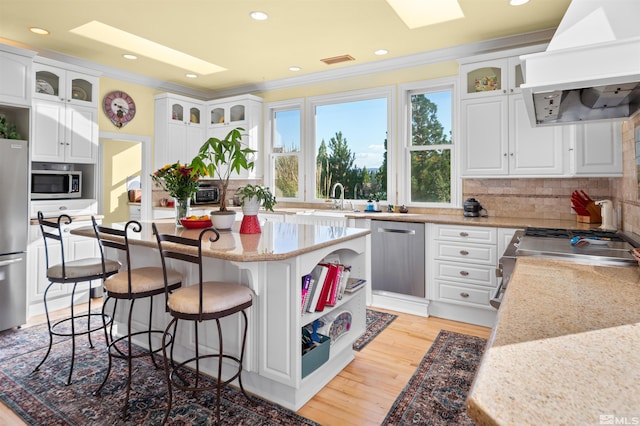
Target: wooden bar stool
132, 284
202, 301
71, 273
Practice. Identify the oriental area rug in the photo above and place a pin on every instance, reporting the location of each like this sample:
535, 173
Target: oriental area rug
436, 393
376, 322
42, 398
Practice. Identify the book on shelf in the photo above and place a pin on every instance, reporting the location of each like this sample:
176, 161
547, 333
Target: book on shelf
318, 275
327, 284
332, 298
306, 283
354, 284
346, 272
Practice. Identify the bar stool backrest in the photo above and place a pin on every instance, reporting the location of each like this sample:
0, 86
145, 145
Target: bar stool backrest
102, 233
174, 251
53, 230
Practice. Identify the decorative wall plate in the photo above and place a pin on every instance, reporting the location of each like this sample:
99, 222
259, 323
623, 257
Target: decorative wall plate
79, 93
43, 86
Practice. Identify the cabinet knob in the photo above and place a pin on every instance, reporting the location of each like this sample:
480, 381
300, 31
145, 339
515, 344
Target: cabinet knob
504, 91
464, 252
464, 273
505, 154
464, 234
465, 295
512, 154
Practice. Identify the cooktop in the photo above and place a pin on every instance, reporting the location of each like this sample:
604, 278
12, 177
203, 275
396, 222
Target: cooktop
555, 243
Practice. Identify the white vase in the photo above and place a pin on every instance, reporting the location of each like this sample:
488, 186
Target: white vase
251, 206
223, 220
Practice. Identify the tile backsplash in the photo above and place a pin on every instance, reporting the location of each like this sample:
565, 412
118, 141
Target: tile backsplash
535, 198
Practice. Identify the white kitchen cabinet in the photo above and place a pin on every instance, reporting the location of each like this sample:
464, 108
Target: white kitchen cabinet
244, 111
463, 278
497, 138
236, 111
76, 247
65, 114
135, 212
64, 133
58, 82
70, 207
179, 130
15, 76
597, 149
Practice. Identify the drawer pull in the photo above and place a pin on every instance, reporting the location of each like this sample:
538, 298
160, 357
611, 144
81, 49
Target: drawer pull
464, 273
464, 252
464, 295
464, 234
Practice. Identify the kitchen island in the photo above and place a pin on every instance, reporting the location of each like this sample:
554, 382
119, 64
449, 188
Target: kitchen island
272, 264
564, 349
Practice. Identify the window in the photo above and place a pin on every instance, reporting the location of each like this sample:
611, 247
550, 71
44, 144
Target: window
350, 144
430, 179
286, 153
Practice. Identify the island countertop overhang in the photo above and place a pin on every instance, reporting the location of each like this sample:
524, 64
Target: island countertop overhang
277, 241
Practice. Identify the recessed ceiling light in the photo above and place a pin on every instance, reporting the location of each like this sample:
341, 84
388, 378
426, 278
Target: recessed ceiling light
294, 68
129, 56
39, 31
518, 2
381, 52
191, 75
116, 37
259, 16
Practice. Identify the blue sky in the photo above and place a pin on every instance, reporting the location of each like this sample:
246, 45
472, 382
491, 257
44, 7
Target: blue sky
363, 124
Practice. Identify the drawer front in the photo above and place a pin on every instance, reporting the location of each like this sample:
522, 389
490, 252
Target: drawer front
471, 234
450, 292
466, 273
459, 252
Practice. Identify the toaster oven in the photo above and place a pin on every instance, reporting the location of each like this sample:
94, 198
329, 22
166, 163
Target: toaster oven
208, 193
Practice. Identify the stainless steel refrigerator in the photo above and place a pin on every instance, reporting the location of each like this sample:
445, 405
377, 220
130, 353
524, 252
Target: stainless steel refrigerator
14, 220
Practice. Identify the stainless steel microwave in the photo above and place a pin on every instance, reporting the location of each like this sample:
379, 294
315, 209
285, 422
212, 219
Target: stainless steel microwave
52, 184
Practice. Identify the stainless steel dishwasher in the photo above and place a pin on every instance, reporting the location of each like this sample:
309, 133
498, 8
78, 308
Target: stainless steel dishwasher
398, 257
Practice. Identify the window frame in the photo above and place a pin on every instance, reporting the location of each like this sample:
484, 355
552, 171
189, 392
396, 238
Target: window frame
311, 145
404, 114
269, 160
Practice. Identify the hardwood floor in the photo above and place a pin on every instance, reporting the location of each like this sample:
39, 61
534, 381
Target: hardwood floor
364, 391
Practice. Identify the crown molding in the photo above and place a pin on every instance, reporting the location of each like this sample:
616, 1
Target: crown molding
380, 66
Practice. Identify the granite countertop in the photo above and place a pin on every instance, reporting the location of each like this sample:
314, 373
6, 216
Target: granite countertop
277, 241
564, 349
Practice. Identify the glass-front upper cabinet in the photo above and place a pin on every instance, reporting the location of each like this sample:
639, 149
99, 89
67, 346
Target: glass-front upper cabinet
488, 78
53, 83
185, 112
493, 77
232, 113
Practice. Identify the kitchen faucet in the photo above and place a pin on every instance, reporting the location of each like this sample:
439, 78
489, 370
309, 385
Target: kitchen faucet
333, 193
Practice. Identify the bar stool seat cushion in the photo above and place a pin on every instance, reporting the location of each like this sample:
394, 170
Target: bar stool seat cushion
217, 296
143, 280
80, 268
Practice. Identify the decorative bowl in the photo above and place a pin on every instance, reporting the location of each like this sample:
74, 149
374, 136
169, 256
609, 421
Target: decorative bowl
195, 224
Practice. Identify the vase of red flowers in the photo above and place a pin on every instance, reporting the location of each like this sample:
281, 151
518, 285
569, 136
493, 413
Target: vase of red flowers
181, 182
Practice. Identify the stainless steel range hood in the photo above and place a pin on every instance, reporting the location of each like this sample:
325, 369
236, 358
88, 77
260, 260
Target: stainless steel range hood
591, 68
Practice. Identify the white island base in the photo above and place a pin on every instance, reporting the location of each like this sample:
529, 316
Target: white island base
273, 268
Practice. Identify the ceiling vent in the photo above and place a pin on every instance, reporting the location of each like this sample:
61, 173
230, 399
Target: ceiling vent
338, 59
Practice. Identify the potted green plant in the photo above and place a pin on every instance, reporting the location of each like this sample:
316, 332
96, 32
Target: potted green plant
252, 197
219, 158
